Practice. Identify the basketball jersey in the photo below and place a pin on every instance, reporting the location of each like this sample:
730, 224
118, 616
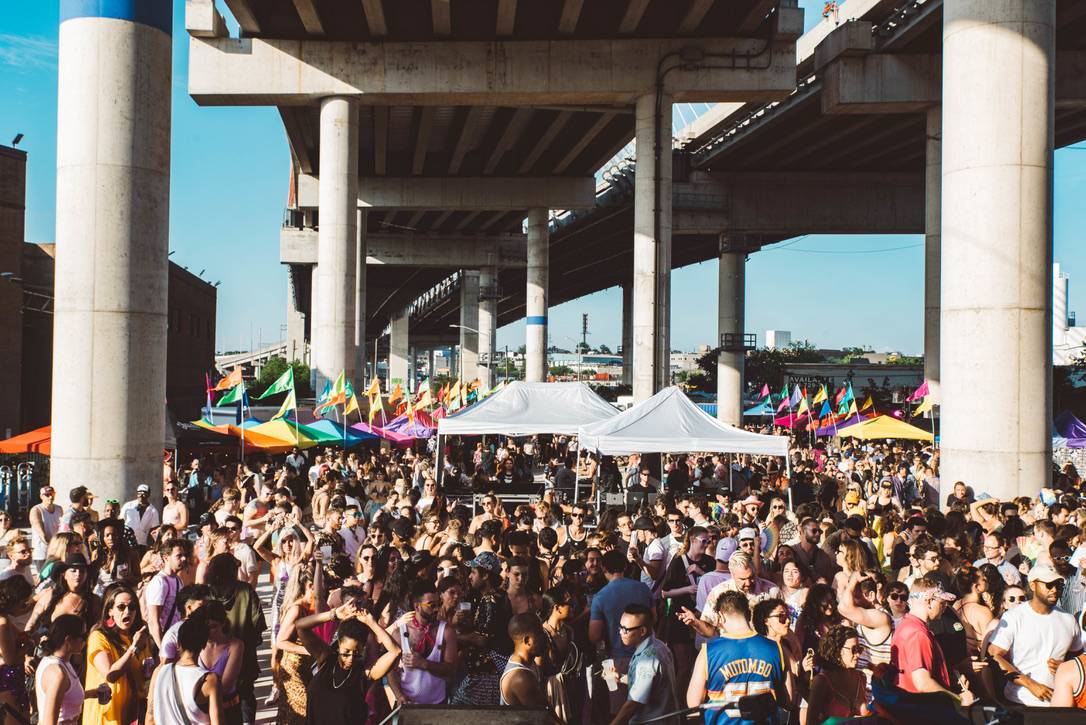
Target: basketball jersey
1078, 694
737, 667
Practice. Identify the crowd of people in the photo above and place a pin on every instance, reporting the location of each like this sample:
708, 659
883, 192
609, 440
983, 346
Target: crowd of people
397, 577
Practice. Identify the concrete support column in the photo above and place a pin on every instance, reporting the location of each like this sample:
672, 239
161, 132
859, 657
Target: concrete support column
933, 197
996, 342
469, 325
412, 368
430, 355
399, 351
337, 243
361, 248
296, 347
731, 309
652, 247
627, 334
488, 323
112, 234
535, 343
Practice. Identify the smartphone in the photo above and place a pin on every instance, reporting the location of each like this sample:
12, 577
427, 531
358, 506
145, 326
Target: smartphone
464, 606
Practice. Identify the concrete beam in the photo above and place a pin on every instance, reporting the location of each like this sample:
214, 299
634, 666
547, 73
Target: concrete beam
882, 84
254, 71
799, 203
505, 251
243, 13
896, 83
203, 20
635, 10
491, 193
846, 40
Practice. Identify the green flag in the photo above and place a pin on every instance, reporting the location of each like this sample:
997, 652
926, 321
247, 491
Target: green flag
284, 384
233, 395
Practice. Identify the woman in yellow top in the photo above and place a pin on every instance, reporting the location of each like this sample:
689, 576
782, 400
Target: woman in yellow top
116, 650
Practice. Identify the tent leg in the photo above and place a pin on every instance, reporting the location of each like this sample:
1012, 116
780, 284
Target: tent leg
788, 472
440, 464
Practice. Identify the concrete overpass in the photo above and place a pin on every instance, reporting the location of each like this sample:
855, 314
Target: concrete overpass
458, 129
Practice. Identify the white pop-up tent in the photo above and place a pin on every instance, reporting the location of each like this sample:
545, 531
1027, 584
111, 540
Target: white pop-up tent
669, 422
522, 409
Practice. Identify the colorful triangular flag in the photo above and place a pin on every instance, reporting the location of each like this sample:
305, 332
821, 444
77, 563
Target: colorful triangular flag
284, 383
230, 381
291, 403
820, 396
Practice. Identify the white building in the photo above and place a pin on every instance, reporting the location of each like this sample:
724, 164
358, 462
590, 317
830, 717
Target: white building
777, 338
1067, 339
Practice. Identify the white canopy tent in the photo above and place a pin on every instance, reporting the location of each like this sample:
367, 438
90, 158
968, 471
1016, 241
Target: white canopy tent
523, 409
669, 422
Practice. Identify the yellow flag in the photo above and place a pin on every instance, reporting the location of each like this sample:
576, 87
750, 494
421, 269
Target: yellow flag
397, 394
852, 409
925, 406
802, 407
820, 396
424, 400
374, 389
454, 391
352, 405
869, 403
288, 405
375, 406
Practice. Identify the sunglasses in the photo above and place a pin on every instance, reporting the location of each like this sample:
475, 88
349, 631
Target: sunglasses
576, 516
348, 655
897, 597
1012, 599
1058, 584
629, 630
781, 616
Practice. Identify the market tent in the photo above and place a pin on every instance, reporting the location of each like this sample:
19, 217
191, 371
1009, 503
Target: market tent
834, 428
423, 426
669, 422
35, 441
1067, 425
885, 426
763, 408
329, 432
275, 436
397, 439
523, 409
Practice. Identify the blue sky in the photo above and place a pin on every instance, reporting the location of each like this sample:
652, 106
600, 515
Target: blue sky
228, 191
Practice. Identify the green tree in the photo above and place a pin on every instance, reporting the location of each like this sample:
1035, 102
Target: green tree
275, 367
604, 350
560, 370
762, 366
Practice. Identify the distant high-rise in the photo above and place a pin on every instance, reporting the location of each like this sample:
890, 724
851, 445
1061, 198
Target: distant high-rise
777, 338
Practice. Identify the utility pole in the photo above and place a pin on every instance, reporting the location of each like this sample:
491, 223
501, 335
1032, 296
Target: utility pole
584, 331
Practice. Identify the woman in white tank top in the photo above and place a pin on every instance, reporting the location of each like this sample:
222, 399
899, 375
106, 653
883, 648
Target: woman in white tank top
59, 690
183, 692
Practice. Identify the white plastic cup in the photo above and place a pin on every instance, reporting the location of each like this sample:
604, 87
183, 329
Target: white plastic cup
326, 551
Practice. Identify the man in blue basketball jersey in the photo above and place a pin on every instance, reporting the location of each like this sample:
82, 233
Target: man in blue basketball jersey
737, 664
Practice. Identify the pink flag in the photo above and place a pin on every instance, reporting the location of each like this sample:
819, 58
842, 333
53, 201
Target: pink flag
783, 406
765, 390
919, 392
